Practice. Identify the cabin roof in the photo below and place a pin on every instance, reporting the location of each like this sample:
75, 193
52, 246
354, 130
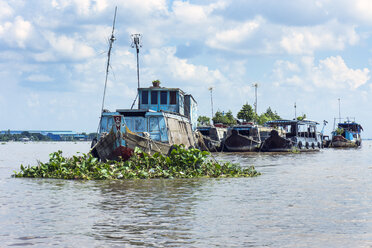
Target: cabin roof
350, 125
290, 122
162, 88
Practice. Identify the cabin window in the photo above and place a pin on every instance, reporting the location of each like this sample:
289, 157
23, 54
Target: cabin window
163, 97
173, 97
244, 132
145, 97
154, 97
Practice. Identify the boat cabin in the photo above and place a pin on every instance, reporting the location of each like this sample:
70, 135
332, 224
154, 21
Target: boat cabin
347, 134
165, 114
173, 100
350, 129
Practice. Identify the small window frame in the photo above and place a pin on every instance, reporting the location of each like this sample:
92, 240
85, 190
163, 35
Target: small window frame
172, 97
154, 97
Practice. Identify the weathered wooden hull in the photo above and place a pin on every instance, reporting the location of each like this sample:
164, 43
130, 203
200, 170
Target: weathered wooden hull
107, 147
210, 145
340, 141
210, 138
276, 143
239, 143
145, 144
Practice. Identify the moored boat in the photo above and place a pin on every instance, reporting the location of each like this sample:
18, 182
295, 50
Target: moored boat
347, 134
166, 117
242, 138
212, 137
292, 135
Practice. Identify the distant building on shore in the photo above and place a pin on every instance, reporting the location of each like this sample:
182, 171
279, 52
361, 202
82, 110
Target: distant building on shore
53, 135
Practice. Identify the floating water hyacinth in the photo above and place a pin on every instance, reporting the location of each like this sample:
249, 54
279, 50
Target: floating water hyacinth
180, 163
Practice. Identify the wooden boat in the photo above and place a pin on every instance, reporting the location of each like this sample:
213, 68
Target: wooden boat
347, 134
292, 135
166, 117
212, 137
242, 138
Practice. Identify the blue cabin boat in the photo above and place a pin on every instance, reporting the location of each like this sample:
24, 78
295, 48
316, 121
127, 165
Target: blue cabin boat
165, 117
347, 134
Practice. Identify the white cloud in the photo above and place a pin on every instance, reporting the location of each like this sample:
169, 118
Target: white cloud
82, 7
306, 40
230, 38
164, 61
330, 73
39, 78
144, 8
64, 47
5, 10
17, 32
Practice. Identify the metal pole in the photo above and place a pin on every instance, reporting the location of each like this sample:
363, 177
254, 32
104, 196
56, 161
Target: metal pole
211, 89
138, 74
339, 109
295, 107
255, 101
136, 42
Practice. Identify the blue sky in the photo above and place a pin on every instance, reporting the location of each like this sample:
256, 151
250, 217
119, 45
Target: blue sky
53, 56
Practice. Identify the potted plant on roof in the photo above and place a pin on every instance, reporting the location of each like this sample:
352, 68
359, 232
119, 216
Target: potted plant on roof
156, 83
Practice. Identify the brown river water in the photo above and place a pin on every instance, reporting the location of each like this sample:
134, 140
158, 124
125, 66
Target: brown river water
321, 199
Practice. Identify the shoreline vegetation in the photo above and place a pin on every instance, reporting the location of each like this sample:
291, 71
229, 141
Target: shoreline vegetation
180, 163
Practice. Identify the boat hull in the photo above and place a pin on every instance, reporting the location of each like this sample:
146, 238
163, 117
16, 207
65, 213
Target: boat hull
240, 143
340, 141
107, 147
277, 143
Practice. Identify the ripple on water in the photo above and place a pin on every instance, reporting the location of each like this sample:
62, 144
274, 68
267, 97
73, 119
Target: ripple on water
318, 199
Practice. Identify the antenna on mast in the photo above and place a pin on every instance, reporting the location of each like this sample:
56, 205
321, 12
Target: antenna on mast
111, 41
136, 43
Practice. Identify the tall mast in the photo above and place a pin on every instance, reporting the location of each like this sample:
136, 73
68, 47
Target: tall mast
255, 85
136, 43
339, 110
295, 109
111, 41
211, 90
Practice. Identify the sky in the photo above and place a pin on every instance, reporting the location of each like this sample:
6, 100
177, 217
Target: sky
53, 56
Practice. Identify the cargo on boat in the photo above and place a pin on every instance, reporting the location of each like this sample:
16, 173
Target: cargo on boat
292, 135
347, 134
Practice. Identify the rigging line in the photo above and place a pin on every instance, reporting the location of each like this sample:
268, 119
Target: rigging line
135, 99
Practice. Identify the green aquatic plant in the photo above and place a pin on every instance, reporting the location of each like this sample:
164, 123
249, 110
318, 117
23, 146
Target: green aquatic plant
180, 163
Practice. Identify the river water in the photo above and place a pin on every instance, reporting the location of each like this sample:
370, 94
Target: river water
321, 199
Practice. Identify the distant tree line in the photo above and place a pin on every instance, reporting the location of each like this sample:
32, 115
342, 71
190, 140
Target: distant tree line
246, 114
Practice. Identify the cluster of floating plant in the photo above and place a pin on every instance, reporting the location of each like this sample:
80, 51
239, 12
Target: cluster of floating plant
180, 163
